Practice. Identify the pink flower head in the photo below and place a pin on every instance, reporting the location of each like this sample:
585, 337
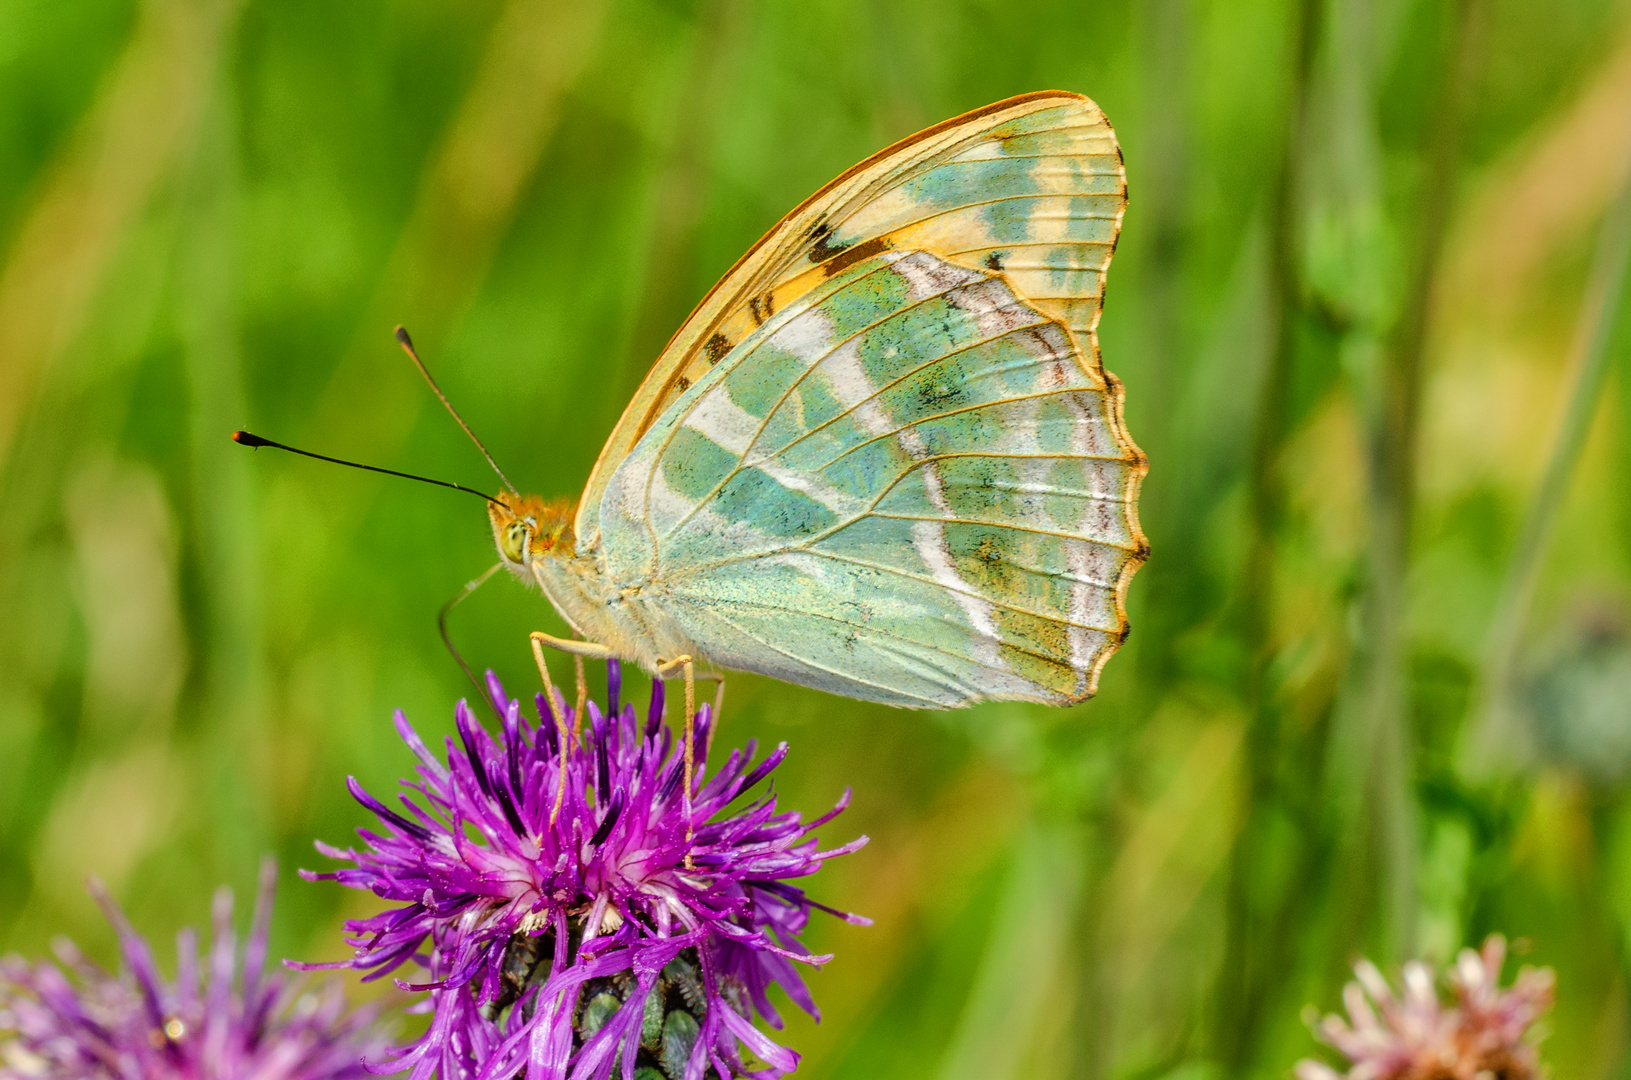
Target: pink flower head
1413, 1036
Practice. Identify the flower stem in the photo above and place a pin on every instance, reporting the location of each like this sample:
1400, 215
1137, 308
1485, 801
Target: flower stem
1393, 459
1240, 990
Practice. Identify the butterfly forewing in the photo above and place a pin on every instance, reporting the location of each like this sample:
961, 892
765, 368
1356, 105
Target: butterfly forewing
882, 458
1056, 216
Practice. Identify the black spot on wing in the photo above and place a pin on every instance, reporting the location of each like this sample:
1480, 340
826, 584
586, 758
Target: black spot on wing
993, 261
854, 254
821, 246
937, 394
716, 348
759, 308
835, 258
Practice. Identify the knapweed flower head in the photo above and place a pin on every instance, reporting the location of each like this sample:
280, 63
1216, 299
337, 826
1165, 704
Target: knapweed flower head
1484, 1033
616, 934
78, 1022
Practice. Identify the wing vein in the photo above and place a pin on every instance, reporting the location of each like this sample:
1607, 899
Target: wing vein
787, 315
756, 284
806, 544
1033, 530
888, 182
773, 647
888, 634
884, 568
890, 434
961, 349
741, 462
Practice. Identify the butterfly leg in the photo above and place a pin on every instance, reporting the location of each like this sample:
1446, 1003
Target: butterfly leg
666, 668
583, 694
718, 679
577, 650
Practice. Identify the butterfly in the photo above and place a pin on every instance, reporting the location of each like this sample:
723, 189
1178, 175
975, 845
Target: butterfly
882, 457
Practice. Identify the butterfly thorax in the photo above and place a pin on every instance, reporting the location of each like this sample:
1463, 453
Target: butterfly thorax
536, 541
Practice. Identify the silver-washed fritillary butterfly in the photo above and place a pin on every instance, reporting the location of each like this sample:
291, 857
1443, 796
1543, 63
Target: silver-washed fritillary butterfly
882, 457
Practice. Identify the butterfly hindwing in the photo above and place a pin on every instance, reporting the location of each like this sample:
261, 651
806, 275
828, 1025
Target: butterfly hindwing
904, 487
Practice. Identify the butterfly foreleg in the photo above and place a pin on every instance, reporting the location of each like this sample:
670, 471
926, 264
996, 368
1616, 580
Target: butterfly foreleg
718, 679
577, 650
588, 649
666, 668
583, 694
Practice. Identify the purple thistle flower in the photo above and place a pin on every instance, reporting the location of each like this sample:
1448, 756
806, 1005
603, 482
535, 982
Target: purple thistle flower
595, 940
85, 1024
1415, 1037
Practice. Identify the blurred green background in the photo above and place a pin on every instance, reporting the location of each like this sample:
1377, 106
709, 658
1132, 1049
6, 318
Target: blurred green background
1365, 306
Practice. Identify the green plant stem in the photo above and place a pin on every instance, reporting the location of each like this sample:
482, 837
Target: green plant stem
1160, 186
1594, 332
229, 616
1394, 440
1240, 991
1166, 169
1161, 181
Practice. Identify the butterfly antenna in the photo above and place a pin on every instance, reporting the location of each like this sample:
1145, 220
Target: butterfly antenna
447, 639
406, 342
255, 442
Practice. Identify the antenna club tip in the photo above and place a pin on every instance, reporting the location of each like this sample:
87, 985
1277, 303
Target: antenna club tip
245, 438
402, 337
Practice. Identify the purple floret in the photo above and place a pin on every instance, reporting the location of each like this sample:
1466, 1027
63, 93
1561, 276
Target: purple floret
527, 932
78, 1022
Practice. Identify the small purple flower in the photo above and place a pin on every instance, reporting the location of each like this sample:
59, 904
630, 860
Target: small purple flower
598, 939
135, 1026
1415, 1037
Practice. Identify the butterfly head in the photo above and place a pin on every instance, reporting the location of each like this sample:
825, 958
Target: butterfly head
527, 528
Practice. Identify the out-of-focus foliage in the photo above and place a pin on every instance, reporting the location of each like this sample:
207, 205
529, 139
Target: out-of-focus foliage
213, 212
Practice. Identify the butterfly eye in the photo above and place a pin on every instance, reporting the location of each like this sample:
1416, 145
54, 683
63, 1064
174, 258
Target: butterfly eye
514, 542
